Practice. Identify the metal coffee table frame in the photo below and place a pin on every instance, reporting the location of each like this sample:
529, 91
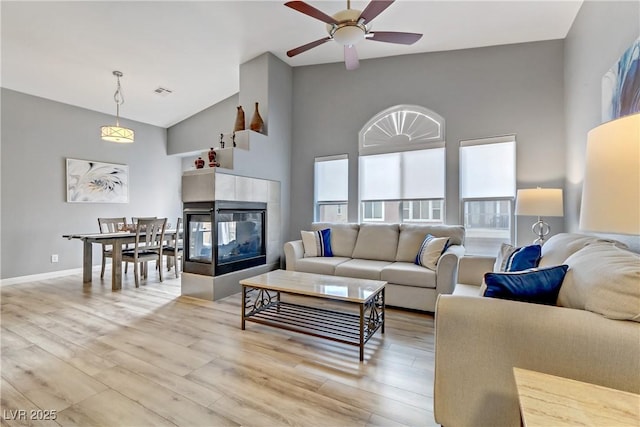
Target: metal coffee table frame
263, 305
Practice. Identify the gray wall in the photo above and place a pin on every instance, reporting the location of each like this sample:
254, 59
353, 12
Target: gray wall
480, 92
601, 32
202, 130
265, 79
37, 136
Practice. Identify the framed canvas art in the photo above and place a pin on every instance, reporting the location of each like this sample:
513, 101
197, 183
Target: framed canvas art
97, 182
621, 85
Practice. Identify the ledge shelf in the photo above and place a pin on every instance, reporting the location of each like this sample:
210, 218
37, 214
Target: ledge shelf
225, 155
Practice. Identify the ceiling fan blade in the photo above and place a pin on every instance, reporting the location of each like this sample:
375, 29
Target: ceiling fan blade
394, 37
351, 57
306, 47
307, 9
374, 8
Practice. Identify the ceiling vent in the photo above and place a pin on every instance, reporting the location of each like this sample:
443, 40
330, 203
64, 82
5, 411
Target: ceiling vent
163, 91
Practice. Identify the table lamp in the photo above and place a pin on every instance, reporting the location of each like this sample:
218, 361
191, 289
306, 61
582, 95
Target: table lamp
539, 202
611, 187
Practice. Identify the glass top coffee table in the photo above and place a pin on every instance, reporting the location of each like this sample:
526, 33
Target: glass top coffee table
262, 303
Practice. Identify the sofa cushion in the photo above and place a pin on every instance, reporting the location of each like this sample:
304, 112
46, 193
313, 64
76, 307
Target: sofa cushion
604, 279
409, 241
540, 286
343, 237
412, 235
409, 274
468, 290
561, 246
319, 265
377, 242
317, 243
430, 251
511, 258
361, 268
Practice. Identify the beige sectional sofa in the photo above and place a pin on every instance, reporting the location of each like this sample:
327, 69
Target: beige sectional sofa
386, 252
479, 339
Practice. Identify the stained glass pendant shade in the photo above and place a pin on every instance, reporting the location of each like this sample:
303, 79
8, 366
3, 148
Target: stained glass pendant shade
117, 133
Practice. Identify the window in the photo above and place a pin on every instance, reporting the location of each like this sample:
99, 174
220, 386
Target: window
487, 191
372, 211
331, 182
422, 211
402, 166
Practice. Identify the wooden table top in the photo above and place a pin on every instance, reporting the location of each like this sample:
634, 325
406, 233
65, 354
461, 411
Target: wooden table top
547, 400
317, 285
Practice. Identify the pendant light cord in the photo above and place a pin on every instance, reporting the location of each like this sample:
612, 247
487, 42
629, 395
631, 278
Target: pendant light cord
118, 96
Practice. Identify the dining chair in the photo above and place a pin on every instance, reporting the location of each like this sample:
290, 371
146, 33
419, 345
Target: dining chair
175, 249
148, 246
110, 225
134, 219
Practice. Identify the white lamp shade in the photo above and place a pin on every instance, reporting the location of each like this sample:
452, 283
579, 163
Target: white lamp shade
117, 134
611, 188
539, 202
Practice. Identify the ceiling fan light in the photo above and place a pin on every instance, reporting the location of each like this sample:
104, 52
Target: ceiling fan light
117, 134
348, 35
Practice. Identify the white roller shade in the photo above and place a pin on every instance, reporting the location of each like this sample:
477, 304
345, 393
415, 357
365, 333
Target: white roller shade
405, 175
488, 170
332, 179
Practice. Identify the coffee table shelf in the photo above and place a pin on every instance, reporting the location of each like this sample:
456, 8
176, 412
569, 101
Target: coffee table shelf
263, 304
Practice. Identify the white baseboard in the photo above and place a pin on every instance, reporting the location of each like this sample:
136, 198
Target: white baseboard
43, 276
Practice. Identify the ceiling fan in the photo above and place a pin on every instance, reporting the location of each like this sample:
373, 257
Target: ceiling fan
350, 26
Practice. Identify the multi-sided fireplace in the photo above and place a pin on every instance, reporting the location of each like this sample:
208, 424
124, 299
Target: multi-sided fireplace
224, 236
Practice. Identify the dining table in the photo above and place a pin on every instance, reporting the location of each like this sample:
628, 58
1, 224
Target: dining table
117, 240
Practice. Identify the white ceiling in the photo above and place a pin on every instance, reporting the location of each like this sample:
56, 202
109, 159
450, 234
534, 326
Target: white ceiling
66, 51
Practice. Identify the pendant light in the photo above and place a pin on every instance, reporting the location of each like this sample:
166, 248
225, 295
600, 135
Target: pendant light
117, 133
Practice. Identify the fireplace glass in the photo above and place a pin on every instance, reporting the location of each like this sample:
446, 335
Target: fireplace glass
200, 247
239, 236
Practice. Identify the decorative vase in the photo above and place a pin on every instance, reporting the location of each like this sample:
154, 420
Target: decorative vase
239, 119
257, 124
212, 158
199, 163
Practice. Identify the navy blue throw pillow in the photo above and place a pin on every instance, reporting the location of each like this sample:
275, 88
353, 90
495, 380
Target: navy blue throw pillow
524, 258
539, 286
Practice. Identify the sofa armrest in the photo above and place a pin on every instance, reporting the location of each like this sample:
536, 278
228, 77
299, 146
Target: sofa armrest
472, 269
293, 251
478, 341
447, 269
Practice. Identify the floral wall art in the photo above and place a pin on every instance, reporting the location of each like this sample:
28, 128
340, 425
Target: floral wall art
621, 85
97, 182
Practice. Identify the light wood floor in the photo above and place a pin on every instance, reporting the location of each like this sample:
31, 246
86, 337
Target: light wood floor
148, 356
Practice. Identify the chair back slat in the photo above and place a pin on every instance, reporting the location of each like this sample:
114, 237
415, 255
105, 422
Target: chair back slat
176, 242
150, 233
111, 225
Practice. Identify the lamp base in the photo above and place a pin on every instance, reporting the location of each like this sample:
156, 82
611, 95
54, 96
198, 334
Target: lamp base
540, 229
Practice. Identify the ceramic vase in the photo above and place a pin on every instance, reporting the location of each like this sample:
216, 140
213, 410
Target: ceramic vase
257, 124
199, 163
212, 158
239, 119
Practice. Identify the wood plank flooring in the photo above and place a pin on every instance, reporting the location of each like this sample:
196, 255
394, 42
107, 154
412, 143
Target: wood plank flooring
147, 356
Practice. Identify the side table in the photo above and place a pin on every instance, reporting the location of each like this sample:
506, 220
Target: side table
547, 400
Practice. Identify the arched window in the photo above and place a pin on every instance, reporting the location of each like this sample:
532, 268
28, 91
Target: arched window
402, 166
402, 128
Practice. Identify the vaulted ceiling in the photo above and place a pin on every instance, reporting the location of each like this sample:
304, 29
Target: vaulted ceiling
66, 51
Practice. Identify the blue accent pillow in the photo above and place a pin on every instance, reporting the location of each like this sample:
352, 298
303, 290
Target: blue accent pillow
517, 259
430, 251
540, 286
317, 243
